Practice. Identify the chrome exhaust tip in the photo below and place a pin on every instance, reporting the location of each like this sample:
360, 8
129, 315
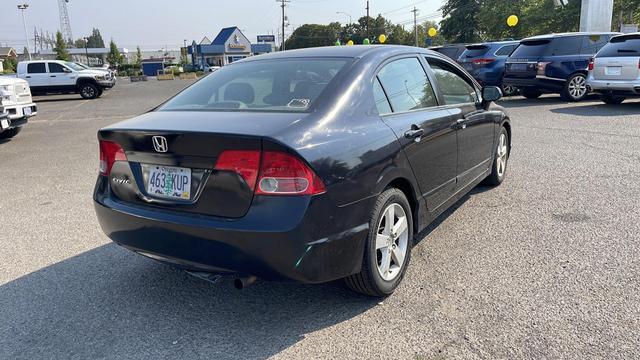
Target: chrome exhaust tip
244, 282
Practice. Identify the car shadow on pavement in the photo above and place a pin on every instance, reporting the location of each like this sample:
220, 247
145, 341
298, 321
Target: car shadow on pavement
41, 99
601, 109
442, 217
111, 303
551, 99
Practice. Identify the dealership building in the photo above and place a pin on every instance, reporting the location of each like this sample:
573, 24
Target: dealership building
230, 45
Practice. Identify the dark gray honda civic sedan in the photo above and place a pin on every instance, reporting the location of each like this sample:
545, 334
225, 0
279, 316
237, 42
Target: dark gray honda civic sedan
306, 165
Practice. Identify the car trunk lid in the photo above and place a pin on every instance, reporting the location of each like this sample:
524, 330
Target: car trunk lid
171, 159
619, 59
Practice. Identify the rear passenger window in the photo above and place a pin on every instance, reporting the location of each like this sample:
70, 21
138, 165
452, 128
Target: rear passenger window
505, 50
593, 43
567, 45
380, 98
36, 68
407, 85
454, 88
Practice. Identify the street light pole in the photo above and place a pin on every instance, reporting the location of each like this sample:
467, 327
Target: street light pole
24, 7
86, 51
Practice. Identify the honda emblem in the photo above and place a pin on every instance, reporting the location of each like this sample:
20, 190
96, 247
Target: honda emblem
160, 144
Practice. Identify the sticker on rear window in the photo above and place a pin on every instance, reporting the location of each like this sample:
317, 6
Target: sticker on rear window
299, 103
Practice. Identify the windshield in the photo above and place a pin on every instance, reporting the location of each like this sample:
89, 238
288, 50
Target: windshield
74, 66
284, 85
82, 65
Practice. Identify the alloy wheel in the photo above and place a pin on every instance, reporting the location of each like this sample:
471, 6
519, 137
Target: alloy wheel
88, 91
578, 87
392, 239
502, 155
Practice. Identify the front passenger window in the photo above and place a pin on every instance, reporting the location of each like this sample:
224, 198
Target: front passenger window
406, 85
454, 89
56, 68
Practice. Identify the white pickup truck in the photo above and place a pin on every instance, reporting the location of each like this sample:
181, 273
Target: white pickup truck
15, 97
63, 77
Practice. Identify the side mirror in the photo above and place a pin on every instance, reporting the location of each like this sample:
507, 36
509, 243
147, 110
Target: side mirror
66, 70
491, 93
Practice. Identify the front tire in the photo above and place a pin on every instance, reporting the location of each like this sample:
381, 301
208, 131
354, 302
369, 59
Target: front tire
612, 99
575, 89
89, 91
388, 246
501, 158
8, 134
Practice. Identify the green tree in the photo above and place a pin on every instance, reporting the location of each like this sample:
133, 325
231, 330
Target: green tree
61, 48
114, 57
312, 35
460, 23
80, 43
138, 58
95, 39
625, 12
10, 65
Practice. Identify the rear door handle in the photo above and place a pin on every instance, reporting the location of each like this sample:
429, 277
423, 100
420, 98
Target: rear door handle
53, 76
28, 77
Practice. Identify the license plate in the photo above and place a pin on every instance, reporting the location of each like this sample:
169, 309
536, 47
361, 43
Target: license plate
168, 181
613, 70
518, 67
4, 124
27, 111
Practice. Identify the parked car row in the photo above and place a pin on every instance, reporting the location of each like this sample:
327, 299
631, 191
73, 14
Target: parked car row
569, 64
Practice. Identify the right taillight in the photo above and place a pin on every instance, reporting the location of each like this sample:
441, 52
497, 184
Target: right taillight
110, 152
542, 67
591, 64
271, 172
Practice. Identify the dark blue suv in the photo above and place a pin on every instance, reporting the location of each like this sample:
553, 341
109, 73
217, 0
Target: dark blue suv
486, 62
555, 63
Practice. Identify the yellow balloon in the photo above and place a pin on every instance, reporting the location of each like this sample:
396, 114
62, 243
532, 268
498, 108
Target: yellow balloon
432, 32
382, 38
512, 20
350, 42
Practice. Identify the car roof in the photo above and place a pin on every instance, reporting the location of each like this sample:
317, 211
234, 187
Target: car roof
355, 51
558, 35
504, 42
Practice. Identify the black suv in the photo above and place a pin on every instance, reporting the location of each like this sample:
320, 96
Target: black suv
555, 63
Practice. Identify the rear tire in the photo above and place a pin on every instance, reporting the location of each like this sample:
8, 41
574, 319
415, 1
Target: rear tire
388, 247
8, 134
500, 160
88, 91
612, 99
508, 90
575, 89
531, 93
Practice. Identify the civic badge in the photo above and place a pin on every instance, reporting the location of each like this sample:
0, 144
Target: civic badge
160, 144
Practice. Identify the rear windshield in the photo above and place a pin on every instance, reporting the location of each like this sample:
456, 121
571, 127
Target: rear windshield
475, 51
530, 48
621, 47
290, 85
566, 45
451, 52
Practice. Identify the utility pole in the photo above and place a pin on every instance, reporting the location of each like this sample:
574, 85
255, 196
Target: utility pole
283, 4
415, 24
24, 7
367, 19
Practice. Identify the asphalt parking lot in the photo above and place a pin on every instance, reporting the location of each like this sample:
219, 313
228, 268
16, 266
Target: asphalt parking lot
544, 266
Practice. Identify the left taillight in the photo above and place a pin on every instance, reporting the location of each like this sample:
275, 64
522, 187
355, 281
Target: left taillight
591, 64
483, 61
110, 152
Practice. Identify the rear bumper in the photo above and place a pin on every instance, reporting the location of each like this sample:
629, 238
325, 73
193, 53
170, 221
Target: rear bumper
302, 239
621, 87
18, 111
541, 83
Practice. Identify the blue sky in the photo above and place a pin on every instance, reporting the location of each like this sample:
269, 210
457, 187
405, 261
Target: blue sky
152, 24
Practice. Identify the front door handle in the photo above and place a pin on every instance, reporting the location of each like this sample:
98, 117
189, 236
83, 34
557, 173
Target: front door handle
53, 76
415, 133
461, 123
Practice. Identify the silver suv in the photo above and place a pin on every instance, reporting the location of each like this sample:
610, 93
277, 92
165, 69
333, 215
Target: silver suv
614, 73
